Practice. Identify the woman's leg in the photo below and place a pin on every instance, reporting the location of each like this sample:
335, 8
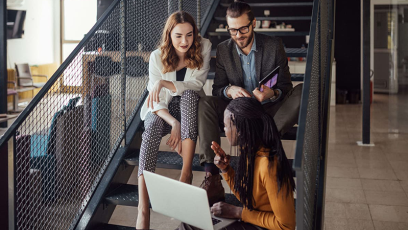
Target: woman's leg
189, 131
155, 127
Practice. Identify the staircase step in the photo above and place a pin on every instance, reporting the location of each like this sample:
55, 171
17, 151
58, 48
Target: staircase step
171, 160
112, 227
127, 195
290, 135
294, 76
297, 77
275, 4
296, 52
286, 18
290, 52
277, 34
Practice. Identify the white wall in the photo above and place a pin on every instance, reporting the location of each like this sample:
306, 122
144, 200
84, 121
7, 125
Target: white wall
40, 42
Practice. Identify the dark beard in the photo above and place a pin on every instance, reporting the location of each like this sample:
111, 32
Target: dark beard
248, 41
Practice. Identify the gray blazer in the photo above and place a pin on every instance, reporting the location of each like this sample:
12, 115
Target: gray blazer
270, 54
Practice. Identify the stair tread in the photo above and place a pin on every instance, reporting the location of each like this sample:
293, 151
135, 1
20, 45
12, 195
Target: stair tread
277, 33
275, 4
127, 195
290, 52
171, 160
112, 227
279, 18
294, 77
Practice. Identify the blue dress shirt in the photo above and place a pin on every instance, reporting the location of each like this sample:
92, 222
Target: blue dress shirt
249, 71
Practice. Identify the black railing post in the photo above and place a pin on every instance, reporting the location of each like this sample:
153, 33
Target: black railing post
198, 15
4, 193
123, 60
3, 60
180, 5
366, 72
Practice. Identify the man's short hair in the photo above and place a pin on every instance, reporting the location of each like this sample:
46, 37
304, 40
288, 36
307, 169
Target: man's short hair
239, 8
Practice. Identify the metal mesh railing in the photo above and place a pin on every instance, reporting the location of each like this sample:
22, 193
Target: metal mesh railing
311, 140
65, 139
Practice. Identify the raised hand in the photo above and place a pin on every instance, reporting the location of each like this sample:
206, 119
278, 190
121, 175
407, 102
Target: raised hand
221, 160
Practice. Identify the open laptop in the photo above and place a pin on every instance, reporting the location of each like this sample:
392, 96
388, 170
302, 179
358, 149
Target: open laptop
183, 202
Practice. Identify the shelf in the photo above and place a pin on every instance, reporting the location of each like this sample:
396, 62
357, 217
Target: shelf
279, 34
290, 52
261, 30
288, 18
280, 4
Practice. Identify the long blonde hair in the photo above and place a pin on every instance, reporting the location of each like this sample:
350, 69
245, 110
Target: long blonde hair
169, 58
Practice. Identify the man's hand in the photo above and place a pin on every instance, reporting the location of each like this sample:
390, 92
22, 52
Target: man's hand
265, 95
224, 210
236, 91
221, 160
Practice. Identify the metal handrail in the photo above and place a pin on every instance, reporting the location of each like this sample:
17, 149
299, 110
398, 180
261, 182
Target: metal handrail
297, 162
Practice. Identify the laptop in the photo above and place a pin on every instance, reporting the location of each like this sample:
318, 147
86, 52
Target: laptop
182, 201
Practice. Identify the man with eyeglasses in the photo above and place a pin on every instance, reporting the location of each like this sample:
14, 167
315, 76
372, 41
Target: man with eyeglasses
241, 62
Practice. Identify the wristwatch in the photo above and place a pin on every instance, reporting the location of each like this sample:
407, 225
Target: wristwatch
275, 96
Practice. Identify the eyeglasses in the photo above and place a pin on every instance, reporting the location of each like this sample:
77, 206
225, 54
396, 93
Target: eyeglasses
242, 30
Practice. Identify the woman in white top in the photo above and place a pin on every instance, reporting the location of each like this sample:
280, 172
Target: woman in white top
177, 73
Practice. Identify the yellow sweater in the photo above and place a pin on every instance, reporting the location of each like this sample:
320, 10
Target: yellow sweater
271, 210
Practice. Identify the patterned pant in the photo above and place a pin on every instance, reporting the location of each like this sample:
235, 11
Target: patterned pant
184, 109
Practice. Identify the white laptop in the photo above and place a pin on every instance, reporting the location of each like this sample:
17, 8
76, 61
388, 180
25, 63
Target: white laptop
183, 202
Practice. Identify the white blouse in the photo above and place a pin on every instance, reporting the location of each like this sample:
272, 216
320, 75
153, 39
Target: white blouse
193, 80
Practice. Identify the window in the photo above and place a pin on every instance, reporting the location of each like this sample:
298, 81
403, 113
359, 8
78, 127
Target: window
77, 17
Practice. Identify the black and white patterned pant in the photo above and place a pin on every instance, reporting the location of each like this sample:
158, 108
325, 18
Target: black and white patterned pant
185, 109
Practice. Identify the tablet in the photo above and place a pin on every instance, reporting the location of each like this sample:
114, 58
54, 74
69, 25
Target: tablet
271, 79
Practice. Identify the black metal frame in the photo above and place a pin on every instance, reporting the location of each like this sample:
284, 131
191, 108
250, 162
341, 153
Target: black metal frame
208, 16
3, 60
324, 115
366, 72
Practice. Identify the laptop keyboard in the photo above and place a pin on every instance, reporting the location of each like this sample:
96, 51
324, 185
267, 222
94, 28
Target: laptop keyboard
215, 221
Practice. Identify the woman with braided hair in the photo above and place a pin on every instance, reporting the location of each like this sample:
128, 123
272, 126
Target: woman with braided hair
263, 179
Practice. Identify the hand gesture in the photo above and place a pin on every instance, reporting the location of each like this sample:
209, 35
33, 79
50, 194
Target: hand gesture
265, 95
224, 210
221, 160
154, 94
236, 91
174, 140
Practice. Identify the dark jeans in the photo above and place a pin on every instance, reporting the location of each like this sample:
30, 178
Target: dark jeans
211, 118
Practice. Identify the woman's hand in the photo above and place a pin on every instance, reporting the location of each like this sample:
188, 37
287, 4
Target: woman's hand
221, 160
175, 136
154, 94
224, 210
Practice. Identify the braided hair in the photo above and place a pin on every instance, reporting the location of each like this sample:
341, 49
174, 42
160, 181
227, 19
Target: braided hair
255, 129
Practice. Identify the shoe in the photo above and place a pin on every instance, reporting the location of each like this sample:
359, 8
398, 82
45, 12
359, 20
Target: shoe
213, 186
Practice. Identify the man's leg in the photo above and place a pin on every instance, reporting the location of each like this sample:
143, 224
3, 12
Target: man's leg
210, 117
